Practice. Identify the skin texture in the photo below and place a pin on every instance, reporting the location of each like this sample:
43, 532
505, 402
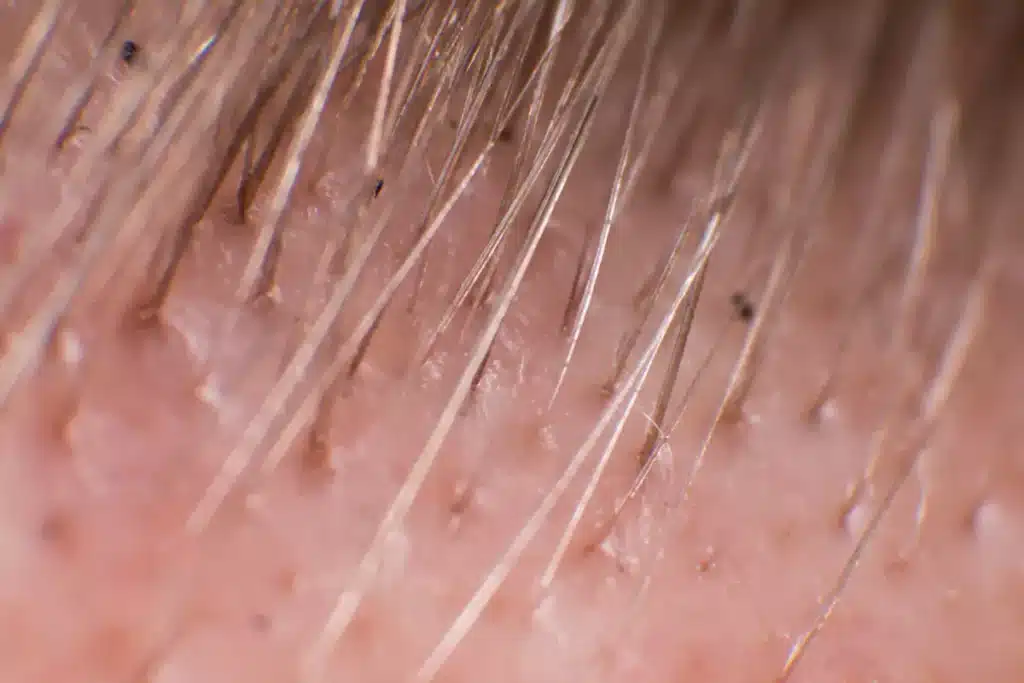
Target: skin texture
710, 573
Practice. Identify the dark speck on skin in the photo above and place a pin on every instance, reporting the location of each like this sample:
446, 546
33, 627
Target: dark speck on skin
743, 307
129, 51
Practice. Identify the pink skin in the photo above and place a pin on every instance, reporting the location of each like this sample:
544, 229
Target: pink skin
118, 434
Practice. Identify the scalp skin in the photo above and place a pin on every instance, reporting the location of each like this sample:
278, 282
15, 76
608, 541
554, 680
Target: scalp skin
117, 434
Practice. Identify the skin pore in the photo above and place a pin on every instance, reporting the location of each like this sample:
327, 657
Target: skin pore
868, 452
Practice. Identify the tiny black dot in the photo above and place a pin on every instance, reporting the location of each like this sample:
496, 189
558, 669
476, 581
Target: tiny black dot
741, 304
378, 187
129, 51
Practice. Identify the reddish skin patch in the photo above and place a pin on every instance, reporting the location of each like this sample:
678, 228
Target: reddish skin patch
129, 596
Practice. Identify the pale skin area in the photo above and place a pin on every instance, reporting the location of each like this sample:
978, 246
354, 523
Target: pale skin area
113, 441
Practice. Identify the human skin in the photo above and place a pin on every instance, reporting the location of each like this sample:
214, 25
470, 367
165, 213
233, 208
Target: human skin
710, 573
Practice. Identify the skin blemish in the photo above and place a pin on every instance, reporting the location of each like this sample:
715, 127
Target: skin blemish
742, 306
129, 52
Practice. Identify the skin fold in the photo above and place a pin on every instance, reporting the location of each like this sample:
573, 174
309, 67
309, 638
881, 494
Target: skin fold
879, 422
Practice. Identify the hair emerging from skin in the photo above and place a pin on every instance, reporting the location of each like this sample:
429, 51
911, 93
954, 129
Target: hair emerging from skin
800, 114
